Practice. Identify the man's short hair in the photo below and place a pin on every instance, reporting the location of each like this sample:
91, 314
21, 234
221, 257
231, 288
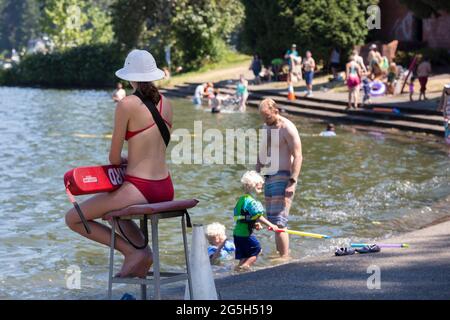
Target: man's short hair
269, 103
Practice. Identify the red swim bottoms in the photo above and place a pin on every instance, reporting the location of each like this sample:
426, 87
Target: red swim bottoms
153, 190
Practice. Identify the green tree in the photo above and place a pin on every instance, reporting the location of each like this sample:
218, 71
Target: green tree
129, 19
427, 8
72, 23
18, 23
202, 29
271, 26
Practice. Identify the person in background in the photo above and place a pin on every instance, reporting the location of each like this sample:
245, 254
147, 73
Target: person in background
209, 90
329, 132
375, 59
360, 61
220, 248
256, 67
199, 93
353, 79
423, 72
391, 78
215, 103
366, 90
309, 65
119, 93
411, 87
335, 60
294, 61
242, 93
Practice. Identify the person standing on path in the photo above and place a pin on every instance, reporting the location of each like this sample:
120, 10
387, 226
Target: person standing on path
423, 72
309, 65
353, 79
294, 60
282, 143
335, 60
256, 67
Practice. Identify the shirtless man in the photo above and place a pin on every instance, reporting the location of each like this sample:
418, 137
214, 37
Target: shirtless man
280, 179
119, 93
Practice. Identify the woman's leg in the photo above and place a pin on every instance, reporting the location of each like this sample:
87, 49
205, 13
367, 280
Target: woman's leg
349, 105
356, 96
137, 262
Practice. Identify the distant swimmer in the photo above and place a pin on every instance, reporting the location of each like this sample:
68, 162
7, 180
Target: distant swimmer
119, 93
329, 132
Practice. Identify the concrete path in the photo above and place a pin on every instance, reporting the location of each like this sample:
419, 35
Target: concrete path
420, 272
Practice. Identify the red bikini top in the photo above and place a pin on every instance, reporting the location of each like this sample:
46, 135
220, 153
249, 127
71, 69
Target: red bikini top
131, 134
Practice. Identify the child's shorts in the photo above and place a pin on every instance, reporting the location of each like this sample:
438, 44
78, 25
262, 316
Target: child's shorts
246, 247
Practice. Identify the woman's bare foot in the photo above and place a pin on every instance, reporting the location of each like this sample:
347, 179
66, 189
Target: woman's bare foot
136, 264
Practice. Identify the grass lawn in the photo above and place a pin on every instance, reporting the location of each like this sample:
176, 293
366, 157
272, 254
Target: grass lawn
230, 66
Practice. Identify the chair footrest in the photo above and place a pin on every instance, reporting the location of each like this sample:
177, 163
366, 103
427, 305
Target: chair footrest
173, 277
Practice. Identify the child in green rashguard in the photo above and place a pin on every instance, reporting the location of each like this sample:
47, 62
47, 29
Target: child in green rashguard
248, 213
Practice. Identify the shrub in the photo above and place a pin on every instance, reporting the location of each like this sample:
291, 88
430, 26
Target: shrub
84, 66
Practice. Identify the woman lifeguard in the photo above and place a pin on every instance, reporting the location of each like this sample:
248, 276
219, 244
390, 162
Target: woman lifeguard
147, 177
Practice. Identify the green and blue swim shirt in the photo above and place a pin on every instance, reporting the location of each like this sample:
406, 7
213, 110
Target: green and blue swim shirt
246, 212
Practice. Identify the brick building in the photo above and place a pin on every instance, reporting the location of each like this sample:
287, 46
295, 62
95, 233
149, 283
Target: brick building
399, 23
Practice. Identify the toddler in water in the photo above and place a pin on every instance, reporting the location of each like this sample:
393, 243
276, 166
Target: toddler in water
220, 248
248, 213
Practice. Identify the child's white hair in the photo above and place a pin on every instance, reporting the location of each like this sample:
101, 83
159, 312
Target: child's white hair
215, 229
251, 179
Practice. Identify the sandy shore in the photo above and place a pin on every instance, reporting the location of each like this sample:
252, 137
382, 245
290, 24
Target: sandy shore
419, 272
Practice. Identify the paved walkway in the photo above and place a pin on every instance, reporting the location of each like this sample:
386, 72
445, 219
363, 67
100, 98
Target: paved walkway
420, 272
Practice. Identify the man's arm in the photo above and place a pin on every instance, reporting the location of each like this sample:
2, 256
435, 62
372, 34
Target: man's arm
263, 148
295, 148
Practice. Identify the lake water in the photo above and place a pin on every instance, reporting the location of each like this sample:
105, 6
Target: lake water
355, 187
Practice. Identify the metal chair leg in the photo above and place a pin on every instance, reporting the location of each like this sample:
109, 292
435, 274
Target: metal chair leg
186, 255
111, 258
143, 286
156, 265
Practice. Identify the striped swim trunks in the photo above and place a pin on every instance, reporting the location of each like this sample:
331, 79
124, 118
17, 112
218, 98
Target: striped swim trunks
277, 207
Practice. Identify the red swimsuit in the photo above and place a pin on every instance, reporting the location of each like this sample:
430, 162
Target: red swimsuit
153, 190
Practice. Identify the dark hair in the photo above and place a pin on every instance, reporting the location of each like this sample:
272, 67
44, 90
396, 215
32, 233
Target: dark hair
330, 127
149, 90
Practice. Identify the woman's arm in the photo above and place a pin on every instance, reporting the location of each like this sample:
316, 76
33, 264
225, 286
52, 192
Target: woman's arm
119, 131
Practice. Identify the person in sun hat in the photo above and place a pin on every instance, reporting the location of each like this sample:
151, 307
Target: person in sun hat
147, 178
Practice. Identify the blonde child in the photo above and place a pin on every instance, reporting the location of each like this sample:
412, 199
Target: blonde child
220, 248
248, 213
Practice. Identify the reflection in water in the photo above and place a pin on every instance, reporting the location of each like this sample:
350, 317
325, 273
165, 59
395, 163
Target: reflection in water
354, 186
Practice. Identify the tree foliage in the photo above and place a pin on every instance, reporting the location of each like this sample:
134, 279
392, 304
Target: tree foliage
427, 8
72, 23
129, 18
271, 26
18, 22
202, 29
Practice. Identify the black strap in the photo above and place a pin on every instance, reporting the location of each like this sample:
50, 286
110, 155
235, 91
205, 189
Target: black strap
165, 133
144, 231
